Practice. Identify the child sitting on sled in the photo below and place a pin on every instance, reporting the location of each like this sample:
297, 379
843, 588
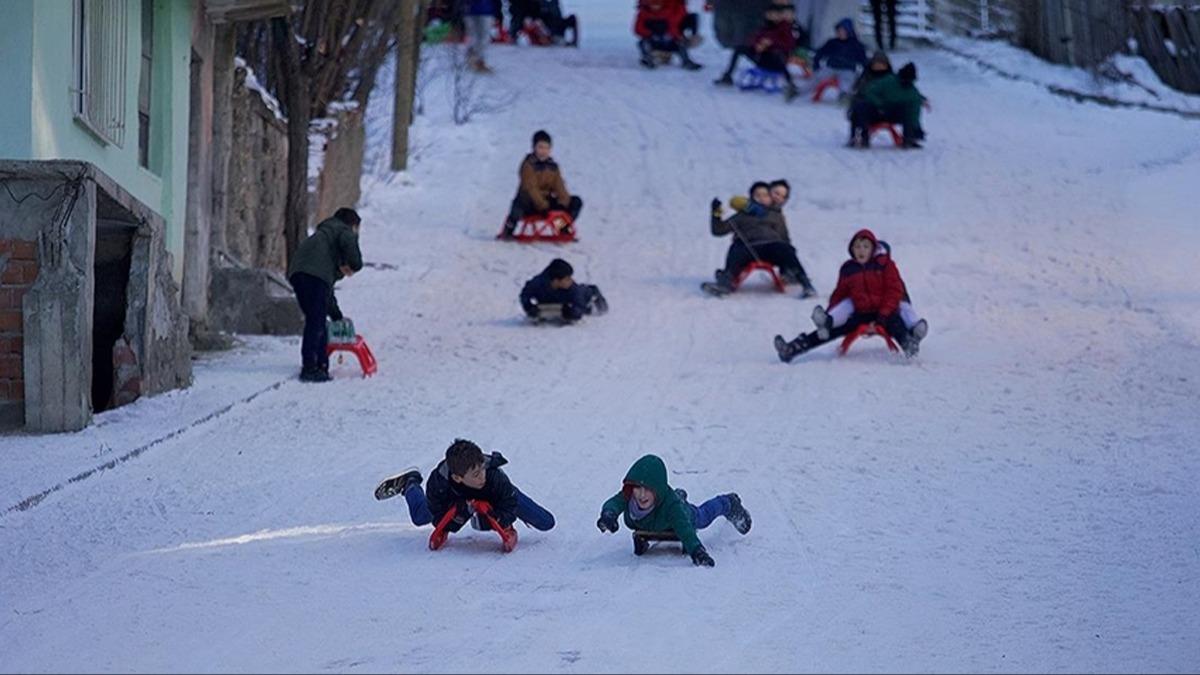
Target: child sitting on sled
542, 188
464, 486
555, 286
869, 290
649, 504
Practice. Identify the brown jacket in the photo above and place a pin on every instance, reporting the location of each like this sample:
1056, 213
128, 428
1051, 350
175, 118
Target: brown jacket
542, 183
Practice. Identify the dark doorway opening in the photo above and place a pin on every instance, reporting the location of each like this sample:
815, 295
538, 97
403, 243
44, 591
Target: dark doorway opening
114, 254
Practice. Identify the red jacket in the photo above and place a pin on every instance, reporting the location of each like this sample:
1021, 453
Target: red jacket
671, 11
783, 40
875, 287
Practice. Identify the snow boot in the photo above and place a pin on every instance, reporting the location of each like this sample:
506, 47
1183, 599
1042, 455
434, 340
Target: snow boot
790, 350
790, 92
725, 80
823, 321
722, 286
738, 516
398, 484
913, 344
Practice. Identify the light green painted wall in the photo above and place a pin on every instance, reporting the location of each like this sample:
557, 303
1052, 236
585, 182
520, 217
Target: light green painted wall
16, 54
55, 134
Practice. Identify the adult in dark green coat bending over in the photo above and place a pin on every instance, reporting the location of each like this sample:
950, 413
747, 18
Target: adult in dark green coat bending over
328, 255
888, 98
649, 504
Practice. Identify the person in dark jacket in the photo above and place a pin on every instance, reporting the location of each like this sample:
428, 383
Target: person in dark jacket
468, 475
770, 48
650, 504
888, 98
542, 188
555, 285
659, 26
841, 56
877, 11
759, 233
869, 290
328, 255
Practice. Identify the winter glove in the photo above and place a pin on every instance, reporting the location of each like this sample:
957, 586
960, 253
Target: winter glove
532, 311
701, 557
607, 522
598, 301
716, 208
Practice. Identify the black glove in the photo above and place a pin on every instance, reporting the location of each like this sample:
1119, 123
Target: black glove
598, 301
716, 207
607, 522
701, 557
532, 311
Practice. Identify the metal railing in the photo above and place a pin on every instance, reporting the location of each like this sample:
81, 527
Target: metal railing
100, 49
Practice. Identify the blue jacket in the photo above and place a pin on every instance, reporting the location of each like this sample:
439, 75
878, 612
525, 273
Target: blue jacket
537, 291
847, 54
479, 7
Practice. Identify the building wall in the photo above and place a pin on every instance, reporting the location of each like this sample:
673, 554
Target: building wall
16, 54
55, 134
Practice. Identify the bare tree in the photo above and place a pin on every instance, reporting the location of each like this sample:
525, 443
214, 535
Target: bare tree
465, 96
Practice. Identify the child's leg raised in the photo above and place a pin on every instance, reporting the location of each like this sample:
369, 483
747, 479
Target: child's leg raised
533, 514
706, 513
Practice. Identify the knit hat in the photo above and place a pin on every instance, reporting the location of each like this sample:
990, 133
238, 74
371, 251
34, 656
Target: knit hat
558, 269
541, 135
908, 74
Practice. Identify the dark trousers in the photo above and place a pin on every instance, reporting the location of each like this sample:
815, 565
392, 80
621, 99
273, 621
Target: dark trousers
894, 325
522, 206
863, 114
778, 253
769, 61
877, 9
313, 296
663, 43
527, 510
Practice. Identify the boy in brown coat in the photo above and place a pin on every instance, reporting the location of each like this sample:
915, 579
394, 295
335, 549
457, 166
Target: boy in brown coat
542, 188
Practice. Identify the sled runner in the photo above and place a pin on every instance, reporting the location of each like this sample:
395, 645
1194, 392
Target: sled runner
553, 226
867, 330
642, 540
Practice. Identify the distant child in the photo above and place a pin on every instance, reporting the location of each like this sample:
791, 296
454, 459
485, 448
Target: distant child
660, 27
771, 47
841, 55
759, 233
869, 290
888, 98
542, 188
555, 285
466, 475
649, 504
478, 17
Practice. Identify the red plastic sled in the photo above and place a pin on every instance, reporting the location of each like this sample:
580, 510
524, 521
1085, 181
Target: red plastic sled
763, 266
897, 139
831, 82
508, 537
867, 330
540, 227
359, 348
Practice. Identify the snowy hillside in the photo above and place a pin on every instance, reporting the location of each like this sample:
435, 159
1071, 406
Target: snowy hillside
1021, 497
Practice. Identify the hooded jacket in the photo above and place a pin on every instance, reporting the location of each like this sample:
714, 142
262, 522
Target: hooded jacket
672, 13
670, 513
889, 93
875, 287
848, 54
442, 492
332, 245
763, 225
537, 291
543, 183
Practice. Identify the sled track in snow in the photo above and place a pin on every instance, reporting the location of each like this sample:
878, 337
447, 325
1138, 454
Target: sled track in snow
32, 501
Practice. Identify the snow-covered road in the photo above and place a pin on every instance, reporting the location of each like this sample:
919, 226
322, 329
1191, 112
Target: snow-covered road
1022, 497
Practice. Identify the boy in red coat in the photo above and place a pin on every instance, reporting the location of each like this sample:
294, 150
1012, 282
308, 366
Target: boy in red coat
659, 27
771, 47
869, 290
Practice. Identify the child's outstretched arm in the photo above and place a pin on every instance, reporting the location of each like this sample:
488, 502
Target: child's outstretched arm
611, 511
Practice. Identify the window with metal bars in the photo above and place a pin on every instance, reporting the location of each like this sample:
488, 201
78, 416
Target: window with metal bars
145, 81
100, 45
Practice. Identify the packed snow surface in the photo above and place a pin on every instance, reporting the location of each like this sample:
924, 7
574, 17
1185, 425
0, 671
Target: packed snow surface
1020, 497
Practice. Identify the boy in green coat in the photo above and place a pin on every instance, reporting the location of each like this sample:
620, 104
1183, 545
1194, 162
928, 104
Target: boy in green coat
649, 504
889, 98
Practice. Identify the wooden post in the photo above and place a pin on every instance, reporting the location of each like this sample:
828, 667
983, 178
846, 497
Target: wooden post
408, 52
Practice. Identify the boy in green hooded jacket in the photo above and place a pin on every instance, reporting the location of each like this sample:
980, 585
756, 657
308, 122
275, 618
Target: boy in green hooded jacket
649, 504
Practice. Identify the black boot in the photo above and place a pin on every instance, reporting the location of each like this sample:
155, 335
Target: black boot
398, 484
790, 350
738, 516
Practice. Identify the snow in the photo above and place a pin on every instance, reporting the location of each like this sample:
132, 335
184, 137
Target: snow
1019, 498
254, 85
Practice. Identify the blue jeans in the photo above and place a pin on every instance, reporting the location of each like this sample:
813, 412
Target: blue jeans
706, 513
527, 510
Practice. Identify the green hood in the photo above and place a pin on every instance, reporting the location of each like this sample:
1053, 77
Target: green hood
670, 513
651, 472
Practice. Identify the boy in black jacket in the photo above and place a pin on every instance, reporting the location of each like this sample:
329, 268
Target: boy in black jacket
555, 286
459, 482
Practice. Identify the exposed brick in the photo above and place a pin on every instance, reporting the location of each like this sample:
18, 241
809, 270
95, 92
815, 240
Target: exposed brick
19, 249
11, 321
11, 366
11, 344
19, 273
12, 390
